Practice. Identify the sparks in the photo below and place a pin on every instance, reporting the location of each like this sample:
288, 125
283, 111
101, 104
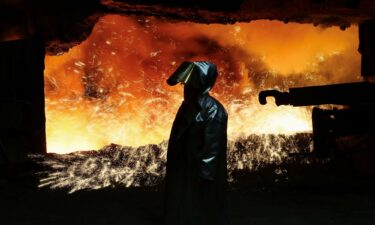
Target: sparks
111, 88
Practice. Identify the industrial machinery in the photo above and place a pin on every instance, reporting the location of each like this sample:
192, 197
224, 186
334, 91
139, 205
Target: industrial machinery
348, 127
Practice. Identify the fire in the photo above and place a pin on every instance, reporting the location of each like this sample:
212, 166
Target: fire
111, 88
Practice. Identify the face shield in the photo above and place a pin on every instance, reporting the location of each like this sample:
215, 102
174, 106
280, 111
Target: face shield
199, 75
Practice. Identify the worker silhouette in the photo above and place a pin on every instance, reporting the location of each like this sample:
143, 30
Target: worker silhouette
196, 175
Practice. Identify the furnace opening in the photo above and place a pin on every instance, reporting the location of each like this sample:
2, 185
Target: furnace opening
111, 88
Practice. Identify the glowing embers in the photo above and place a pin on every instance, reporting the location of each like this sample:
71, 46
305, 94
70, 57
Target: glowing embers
112, 89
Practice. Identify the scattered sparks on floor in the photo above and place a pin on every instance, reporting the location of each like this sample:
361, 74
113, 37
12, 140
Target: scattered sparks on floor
116, 165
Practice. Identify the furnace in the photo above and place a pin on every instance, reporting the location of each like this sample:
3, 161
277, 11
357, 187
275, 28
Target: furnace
111, 88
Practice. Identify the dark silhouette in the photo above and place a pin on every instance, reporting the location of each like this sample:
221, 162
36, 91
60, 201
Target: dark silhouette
196, 175
335, 131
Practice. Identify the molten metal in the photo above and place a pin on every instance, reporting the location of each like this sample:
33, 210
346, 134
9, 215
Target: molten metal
111, 88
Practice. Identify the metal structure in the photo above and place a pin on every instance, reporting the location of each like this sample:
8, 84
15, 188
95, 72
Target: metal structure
354, 120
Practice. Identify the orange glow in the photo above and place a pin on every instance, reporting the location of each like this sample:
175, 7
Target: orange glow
111, 88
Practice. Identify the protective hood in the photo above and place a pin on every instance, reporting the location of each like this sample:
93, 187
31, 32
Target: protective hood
200, 75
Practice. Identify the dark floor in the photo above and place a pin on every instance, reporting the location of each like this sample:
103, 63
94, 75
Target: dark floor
308, 204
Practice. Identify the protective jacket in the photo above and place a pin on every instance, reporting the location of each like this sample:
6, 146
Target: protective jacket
196, 175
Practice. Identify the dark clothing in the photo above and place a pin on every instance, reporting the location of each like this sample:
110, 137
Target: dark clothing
196, 174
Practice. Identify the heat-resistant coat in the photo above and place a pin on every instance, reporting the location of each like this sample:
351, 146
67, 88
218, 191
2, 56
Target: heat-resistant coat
196, 174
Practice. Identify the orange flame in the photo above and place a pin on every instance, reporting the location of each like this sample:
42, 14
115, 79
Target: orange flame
111, 88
